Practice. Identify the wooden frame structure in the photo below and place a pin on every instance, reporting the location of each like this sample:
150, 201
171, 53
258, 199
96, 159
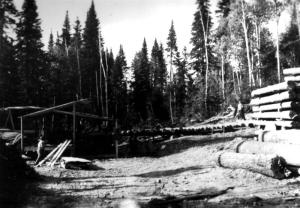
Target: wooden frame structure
56, 109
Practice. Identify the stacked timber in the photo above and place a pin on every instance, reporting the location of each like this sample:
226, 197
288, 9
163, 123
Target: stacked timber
277, 102
292, 74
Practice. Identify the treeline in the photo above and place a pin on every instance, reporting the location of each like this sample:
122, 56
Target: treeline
163, 84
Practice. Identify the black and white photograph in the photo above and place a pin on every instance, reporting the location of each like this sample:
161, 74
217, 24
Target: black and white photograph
149, 103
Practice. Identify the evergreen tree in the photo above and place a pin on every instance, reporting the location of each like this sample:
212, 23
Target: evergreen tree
91, 55
223, 8
290, 43
51, 44
30, 54
172, 51
66, 34
119, 88
9, 82
141, 83
158, 82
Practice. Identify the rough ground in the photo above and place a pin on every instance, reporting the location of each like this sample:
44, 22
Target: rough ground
142, 179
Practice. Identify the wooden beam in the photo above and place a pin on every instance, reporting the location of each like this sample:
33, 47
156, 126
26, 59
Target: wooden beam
283, 136
275, 98
22, 135
289, 105
287, 115
292, 71
47, 110
292, 78
272, 89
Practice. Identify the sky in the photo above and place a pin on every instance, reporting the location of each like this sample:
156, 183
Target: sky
128, 22
125, 22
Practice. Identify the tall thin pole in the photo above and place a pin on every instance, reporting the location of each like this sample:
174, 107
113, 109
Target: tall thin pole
22, 136
74, 129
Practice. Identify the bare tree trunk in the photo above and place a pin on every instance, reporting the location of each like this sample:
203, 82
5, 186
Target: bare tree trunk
106, 83
100, 75
171, 87
79, 71
277, 50
234, 85
247, 43
206, 57
97, 89
223, 80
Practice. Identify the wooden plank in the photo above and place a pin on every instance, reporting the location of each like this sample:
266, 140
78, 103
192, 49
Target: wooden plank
290, 152
60, 153
56, 154
275, 98
289, 105
269, 165
292, 71
292, 78
22, 135
50, 154
287, 115
274, 89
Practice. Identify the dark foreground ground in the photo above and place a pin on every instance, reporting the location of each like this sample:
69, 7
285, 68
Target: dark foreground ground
186, 179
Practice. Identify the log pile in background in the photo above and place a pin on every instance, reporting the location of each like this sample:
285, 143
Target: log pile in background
278, 102
292, 74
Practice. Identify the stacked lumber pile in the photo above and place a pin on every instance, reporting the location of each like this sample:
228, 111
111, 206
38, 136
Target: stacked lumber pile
279, 102
292, 74
55, 154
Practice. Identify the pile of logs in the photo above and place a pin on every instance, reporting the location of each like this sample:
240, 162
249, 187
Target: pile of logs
280, 101
55, 154
274, 154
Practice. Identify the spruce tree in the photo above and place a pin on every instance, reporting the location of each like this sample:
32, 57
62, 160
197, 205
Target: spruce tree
141, 83
30, 54
172, 51
91, 73
66, 33
158, 82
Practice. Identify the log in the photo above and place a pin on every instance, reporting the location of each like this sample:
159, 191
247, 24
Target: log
283, 136
289, 105
272, 89
290, 95
287, 115
292, 78
269, 165
292, 71
290, 152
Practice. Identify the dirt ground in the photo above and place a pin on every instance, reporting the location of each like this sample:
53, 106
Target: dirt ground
134, 182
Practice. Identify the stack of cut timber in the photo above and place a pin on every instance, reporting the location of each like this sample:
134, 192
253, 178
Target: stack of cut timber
55, 154
277, 102
292, 74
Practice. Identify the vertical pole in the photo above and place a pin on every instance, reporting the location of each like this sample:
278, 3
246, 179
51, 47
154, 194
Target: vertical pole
74, 129
117, 148
22, 136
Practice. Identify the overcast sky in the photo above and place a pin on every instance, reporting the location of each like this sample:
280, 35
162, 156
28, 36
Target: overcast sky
124, 22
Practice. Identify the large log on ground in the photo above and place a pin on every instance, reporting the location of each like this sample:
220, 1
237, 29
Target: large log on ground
283, 136
275, 98
287, 115
269, 165
292, 71
285, 124
284, 86
290, 152
289, 105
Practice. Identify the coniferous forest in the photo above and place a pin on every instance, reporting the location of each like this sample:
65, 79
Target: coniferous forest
169, 85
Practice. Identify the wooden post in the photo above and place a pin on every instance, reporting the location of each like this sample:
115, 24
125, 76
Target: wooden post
117, 148
74, 129
22, 135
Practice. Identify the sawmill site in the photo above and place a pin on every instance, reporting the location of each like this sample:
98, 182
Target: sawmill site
225, 161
